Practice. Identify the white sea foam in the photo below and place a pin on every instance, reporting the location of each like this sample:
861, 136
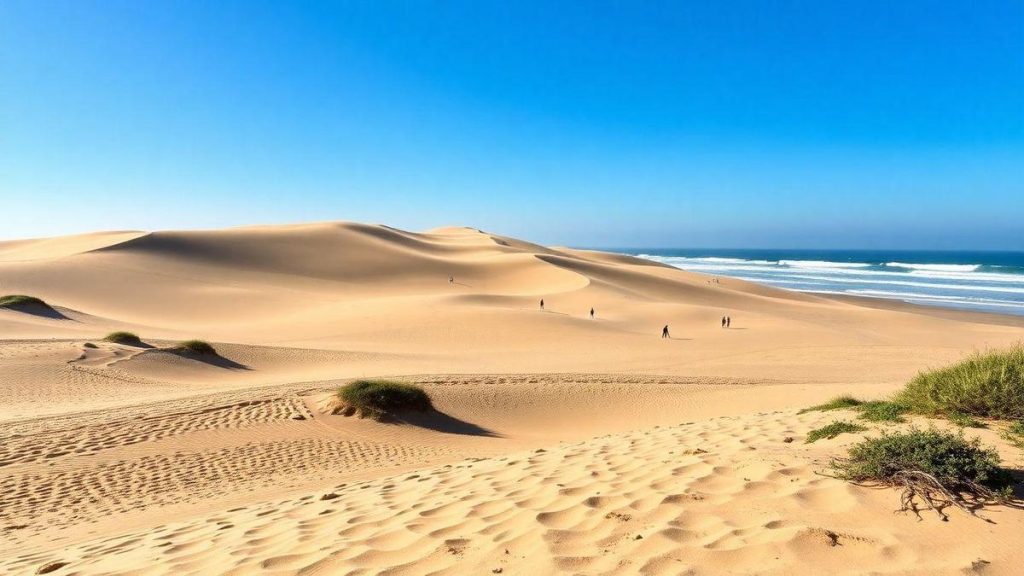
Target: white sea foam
935, 267
822, 264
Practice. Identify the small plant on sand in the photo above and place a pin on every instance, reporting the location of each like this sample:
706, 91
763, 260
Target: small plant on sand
832, 430
19, 300
989, 384
965, 420
1014, 433
380, 399
126, 338
882, 411
837, 403
933, 468
195, 347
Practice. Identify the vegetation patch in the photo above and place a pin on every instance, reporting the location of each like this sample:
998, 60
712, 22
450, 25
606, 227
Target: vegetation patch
21, 301
198, 347
837, 403
1014, 433
126, 338
882, 411
931, 468
381, 399
965, 420
989, 384
832, 430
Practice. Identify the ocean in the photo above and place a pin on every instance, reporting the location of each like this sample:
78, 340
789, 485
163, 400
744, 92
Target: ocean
981, 281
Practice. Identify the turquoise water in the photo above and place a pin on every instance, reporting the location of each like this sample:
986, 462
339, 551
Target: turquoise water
970, 280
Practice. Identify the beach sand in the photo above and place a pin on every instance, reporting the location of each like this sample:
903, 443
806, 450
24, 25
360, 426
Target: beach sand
560, 444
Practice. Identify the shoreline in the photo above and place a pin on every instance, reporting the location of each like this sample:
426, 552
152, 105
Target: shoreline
975, 316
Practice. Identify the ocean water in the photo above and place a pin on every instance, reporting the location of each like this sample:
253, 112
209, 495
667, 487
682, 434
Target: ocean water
983, 281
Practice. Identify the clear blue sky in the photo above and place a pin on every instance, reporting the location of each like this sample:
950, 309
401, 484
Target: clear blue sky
755, 124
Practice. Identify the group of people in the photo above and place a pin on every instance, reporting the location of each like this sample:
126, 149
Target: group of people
726, 321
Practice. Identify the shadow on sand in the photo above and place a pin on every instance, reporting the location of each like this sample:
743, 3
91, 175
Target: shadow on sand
211, 359
441, 422
40, 310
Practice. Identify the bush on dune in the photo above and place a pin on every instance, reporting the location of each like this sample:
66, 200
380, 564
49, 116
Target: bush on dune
987, 384
838, 403
195, 347
126, 338
19, 300
938, 469
380, 399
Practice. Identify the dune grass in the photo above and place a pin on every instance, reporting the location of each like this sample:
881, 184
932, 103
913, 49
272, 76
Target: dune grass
837, 403
381, 399
832, 430
195, 347
1014, 434
122, 337
882, 411
935, 468
18, 300
987, 385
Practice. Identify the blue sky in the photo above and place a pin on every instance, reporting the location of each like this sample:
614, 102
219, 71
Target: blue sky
729, 124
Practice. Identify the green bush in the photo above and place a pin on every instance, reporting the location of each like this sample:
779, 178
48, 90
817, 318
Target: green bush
837, 403
832, 430
964, 420
987, 384
935, 467
1015, 433
19, 300
379, 399
882, 411
195, 347
126, 338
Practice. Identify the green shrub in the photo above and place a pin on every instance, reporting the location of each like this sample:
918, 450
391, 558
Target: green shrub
832, 430
126, 338
1014, 433
19, 300
380, 399
987, 384
964, 420
937, 468
836, 403
882, 411
195, 347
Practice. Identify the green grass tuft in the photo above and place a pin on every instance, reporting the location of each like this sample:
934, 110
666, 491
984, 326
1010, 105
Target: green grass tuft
965, 420
989, 384
126, 338
832, 430
17, 300
195, 347
1014, 433
380, 399
837, 403
882, 411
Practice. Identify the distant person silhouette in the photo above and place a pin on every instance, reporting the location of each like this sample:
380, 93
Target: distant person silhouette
664, 332
591, 313
723, 321
541, 303
451, 279
728, 321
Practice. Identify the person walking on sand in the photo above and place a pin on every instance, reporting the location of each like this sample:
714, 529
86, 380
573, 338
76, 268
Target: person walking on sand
451, 279
541, 303
664, 332
728, 321
591, 313
723, 321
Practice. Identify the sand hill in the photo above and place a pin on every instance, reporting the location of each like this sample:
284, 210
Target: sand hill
562, 444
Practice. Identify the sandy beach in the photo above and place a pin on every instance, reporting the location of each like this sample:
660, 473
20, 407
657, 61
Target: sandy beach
560, 444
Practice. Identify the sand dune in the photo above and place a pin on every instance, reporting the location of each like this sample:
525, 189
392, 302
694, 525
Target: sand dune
559, 438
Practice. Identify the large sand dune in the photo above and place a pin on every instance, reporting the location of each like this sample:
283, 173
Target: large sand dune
123, 459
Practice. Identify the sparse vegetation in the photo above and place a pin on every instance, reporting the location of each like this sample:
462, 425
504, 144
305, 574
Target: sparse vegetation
989, 384
837, 403
832, 430
20, 300
937, 469
126, 338
195, 347
882, 411
1014, 434
380, 399
965, 420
